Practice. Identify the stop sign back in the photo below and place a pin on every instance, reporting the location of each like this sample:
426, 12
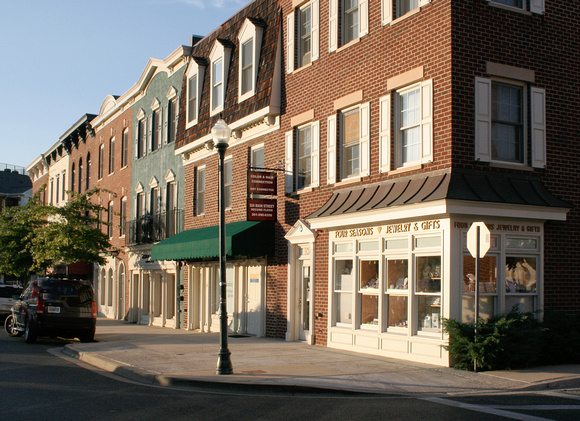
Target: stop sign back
484, 239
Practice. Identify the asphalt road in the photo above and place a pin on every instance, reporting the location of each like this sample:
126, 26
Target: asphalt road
36, 384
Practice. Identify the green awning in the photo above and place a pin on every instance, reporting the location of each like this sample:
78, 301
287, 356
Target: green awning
244, 238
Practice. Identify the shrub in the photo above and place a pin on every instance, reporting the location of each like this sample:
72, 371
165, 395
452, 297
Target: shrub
503, 342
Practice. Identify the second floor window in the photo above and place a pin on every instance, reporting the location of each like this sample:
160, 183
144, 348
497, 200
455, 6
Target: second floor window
156, 129
200, 192
228, 184
122, 216
350, 19
507, 126
111, 155
124, 148
101, 159
305, 34
304, 168
141, 138
303, 23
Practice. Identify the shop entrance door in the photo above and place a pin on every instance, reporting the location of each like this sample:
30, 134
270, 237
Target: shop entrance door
304, 300
254, 301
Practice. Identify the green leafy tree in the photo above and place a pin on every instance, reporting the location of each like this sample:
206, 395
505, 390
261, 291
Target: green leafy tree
36, 236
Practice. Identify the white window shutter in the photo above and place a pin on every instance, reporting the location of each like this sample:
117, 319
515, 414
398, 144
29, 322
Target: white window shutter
537, 6
482, 119
165, 125
149, 130
289, 161
333, 25
538, 102
363, 17
315, 33
427, 121
364, 122
424, 2
331, 150
385, 133
315, 154
290, 50
386, 11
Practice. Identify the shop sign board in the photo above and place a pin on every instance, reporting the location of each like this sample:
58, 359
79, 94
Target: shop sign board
483, 238
262, 209
260, 182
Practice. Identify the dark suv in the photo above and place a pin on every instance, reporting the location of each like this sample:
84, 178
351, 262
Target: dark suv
56, 307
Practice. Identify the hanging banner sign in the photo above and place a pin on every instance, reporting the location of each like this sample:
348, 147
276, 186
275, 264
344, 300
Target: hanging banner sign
262, 182
262, 209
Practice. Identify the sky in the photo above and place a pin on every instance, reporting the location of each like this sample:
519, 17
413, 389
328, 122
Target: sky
59, 59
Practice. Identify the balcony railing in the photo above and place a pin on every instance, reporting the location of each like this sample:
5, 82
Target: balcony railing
153, 228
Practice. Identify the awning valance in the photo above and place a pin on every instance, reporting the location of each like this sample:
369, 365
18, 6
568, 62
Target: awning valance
244, 238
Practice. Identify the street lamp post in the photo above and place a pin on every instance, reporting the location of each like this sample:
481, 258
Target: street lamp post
221, 135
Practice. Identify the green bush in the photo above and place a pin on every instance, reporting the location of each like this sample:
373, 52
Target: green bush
503, 342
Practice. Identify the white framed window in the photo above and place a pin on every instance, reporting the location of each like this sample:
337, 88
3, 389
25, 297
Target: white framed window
348, 143
125, 148
64, 179
303, 22
195, 76
397, 292
257, 156
200, 191
302, 157
250, 43
101, 161
156, 129
141, 135
172, 115
228, 167
393, 9
413, 126
534, 6
122, 216
111, 155
501, 122
110, 213
348, 21
343, 292
219, 59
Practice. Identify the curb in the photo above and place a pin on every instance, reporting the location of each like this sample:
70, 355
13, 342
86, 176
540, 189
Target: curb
147, 377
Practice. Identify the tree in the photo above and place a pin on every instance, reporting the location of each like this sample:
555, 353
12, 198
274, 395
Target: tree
36, 236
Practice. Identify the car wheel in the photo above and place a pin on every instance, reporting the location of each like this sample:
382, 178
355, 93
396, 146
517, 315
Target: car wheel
29, 333
87, 336
10, 327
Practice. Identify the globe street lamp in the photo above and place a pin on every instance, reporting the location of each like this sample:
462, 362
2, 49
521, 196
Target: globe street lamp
221, 135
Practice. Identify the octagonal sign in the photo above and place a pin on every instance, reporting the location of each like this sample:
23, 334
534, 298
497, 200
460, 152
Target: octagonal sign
484, 239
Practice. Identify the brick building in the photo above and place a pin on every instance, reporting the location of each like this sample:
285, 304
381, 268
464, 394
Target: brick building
397, 124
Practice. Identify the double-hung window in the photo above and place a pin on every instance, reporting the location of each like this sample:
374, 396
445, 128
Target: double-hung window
101, 161
407, 131
194, 76
122, 216
302, 156
125, 148
200, 191
250, 42
228, 183
505, 129
111, 155
348, 21
348, 142
220, 61
392, 9
110, 220
534, 6
156, 129
141, 135
303, 23
172, 120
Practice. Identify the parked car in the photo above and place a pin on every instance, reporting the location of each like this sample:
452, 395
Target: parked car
56, 307
7, 293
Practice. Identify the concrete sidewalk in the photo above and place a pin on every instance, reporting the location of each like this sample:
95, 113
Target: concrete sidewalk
176, 357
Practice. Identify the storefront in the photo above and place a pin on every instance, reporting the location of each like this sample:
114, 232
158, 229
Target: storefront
398, 268
248, 245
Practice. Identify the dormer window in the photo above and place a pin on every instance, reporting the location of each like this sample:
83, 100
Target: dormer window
195, 75
220, 59
250, 39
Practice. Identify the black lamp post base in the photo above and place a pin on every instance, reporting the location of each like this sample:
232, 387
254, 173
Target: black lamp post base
224, 364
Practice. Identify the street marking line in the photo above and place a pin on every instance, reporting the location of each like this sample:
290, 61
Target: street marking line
485, 410
537, 407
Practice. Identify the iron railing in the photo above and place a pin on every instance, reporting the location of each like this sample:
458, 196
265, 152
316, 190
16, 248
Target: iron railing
153, 228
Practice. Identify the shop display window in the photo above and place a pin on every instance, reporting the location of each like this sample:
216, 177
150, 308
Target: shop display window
343, 287
398, 274
428, 274
397, 311
486, 307
368, 287
429, 313
487, 274
520, 274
